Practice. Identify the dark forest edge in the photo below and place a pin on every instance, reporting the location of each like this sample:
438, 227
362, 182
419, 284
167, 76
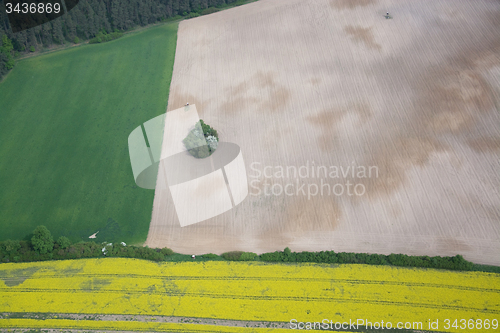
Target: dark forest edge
98, 21
40, 246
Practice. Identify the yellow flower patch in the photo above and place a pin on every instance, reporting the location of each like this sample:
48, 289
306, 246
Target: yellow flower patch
253, 291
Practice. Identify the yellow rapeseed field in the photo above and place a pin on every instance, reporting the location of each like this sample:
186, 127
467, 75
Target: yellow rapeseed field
254, 292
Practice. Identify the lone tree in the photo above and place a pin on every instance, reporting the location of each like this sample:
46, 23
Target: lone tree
42, 240
201, 141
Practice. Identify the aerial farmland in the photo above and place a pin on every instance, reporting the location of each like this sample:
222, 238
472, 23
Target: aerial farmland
251, 166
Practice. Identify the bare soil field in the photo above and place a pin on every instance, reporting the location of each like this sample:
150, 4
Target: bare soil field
332, 85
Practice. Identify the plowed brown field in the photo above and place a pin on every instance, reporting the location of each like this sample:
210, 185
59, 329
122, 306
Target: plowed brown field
335, 83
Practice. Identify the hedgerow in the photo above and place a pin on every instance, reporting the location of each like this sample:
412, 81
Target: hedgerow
239, 256
26, 251
47, 249
453, 263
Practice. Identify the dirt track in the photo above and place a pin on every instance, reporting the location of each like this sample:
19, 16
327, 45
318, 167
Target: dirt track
334, 83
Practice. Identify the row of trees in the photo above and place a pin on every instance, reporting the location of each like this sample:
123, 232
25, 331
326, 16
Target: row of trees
42, 246
240, 256
454, 263
330, 257
91, 17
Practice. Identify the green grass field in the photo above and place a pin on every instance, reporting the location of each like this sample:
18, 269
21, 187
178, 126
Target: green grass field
65, 118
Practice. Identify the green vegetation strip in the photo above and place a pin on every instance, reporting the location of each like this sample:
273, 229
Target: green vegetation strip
64, 126
42, 246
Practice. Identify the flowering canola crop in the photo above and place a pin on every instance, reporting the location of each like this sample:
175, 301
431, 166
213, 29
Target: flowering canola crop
251, 291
